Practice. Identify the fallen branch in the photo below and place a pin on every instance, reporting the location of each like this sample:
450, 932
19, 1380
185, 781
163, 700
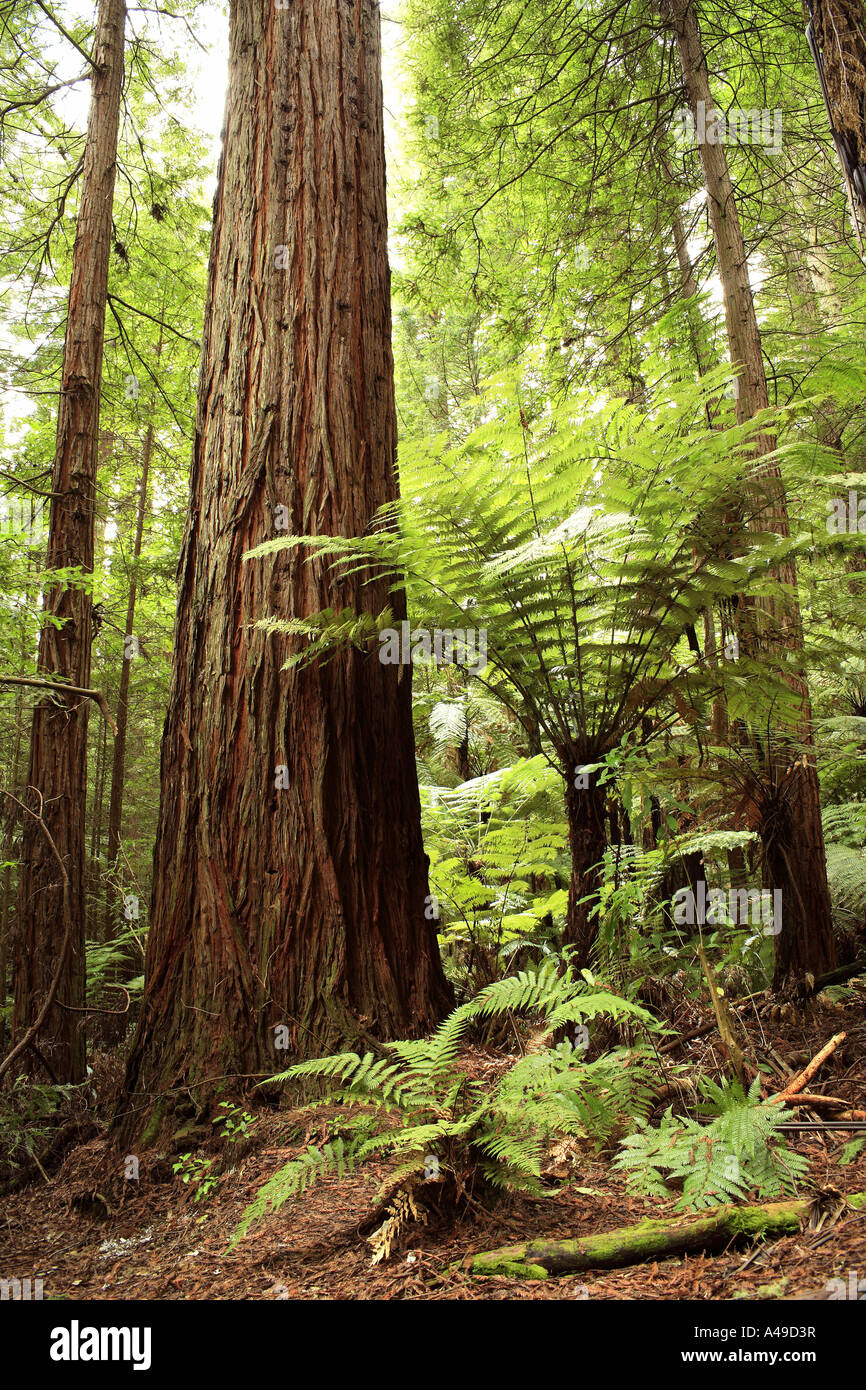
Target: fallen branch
705, 1028
689, 1037
806, 1098
647, 1240
797, 1083
95, 695
817, 1126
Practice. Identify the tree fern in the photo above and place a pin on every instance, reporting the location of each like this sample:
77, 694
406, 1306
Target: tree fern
586, 548
846, 875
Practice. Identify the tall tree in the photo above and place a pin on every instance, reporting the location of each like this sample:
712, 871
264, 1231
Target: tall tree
789, 808
118, 765
50, 921
290, 882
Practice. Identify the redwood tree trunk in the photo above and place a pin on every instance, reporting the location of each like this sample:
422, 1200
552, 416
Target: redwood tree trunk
806, 942
840, 32
57, 775
290, 881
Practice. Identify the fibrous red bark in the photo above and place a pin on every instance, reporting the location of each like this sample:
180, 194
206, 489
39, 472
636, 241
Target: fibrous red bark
290, 882
57, 776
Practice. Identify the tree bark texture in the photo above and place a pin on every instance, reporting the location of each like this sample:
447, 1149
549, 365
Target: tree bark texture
586, 811
57, 776
290, 881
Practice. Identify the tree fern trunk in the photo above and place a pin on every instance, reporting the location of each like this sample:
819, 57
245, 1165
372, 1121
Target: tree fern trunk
586, 809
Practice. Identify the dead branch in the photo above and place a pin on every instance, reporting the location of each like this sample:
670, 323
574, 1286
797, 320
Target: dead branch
797, 1084
41, 684
116, 1013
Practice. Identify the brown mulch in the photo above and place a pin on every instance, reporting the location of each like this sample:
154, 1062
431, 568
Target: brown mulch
90, 1234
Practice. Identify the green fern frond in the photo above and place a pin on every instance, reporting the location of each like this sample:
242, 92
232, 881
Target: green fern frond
295, 1178
738, 1152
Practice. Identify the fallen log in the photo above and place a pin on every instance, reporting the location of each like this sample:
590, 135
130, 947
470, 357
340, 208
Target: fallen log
646, 1240
838, 977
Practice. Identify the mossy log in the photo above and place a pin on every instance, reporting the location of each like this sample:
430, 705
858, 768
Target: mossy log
646, 1240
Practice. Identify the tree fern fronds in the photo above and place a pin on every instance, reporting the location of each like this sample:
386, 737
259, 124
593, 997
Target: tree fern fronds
591, 1005
339, 1064
540, 989
437, 1053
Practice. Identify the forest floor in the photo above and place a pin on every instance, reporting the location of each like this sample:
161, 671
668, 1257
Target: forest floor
91, 1235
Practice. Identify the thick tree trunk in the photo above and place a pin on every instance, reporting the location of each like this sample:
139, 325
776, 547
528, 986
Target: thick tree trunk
840, 33
737, 867
770, 627
586, 810
794, 861
290, 881
58, 751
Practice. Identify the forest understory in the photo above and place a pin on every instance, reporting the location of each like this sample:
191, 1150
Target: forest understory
92, 1234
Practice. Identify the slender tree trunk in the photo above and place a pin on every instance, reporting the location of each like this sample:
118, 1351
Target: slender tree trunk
7, 896
97, 810
58, 751
791, 830
118, 766
290, 882
688, 280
